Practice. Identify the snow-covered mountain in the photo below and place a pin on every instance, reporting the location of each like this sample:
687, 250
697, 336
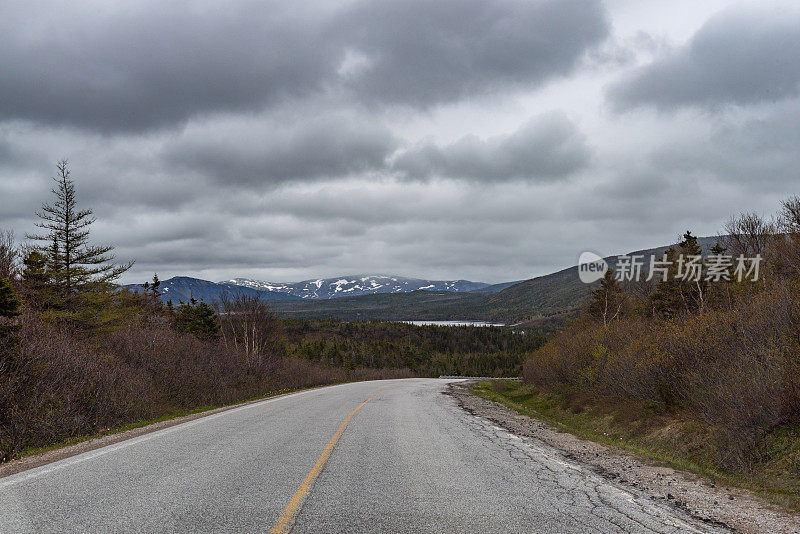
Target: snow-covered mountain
348, 286
183, 288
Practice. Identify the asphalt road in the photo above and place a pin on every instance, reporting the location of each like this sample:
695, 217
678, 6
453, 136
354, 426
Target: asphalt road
408, 460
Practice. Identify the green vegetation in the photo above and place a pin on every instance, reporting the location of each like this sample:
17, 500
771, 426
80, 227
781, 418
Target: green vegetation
671, 438
422, 305
541, 302
78, 274
10, 304
702, 373
197, 318
424, 350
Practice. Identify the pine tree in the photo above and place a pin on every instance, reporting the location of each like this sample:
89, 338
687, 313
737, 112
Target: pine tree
75, 265
155, 285
10, 308
607, 300
36, 281
198, 319
689, 245
10, 305
679, 295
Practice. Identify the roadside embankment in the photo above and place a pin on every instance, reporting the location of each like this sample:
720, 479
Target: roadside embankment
639, 456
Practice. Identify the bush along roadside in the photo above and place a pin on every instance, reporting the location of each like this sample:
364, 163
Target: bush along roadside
704, 373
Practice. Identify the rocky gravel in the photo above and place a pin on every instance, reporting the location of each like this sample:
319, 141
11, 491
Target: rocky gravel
699, 497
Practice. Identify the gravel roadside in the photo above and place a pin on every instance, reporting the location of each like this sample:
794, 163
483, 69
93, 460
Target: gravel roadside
700, 497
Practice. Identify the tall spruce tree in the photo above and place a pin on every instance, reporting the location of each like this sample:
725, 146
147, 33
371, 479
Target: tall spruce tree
10, 307
10, 304
677, 293
73, 264
608, 299
151, 288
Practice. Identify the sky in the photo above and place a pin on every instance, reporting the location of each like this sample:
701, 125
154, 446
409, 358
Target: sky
489, 140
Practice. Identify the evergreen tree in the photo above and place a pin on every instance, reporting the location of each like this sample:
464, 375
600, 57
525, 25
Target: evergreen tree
689, 245
75, 265
155, 285
10, 305
198, 319
677, 293
607, 300
10, 308
36, 280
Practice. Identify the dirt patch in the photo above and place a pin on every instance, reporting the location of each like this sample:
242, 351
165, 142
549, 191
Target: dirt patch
702, 498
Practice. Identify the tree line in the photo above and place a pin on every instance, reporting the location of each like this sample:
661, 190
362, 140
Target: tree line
425, 350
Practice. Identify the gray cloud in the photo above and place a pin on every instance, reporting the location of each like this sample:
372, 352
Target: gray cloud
757, 154
299, 141
740, 56
270, 151
422, 52
155, 64
547, 147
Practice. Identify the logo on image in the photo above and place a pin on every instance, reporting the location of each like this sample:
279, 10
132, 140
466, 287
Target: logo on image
591, 267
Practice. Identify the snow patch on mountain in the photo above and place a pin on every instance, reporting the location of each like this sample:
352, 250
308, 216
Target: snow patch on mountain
327, 288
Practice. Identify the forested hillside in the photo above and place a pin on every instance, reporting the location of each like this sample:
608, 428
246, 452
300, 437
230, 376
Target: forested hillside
424, 350
704, 369
544, 300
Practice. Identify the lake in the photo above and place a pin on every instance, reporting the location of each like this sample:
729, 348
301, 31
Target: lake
452, 323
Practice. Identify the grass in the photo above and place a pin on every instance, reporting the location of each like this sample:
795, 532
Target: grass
673, 439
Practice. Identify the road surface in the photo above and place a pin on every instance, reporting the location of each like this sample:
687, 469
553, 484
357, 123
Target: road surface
406, 460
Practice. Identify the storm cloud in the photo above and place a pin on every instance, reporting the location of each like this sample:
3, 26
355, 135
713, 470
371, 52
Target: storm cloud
743, 55
266, 151
491, 140
421, 53
546, 147
157, 64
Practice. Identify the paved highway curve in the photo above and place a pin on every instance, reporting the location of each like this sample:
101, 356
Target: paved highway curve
324, 460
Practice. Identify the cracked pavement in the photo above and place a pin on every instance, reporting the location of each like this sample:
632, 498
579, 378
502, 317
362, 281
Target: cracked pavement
411, 460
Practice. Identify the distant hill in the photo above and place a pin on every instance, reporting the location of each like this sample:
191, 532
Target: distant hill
422, 305
543, 299
547, 299
183, 288
355, 285
494, 288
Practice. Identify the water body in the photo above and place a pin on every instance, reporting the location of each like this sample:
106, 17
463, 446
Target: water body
452, 323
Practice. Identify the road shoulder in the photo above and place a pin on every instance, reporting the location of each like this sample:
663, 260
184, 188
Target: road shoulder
694, 495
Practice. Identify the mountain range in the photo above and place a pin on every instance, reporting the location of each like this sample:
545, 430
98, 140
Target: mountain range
183, 288
351, 286
542, 300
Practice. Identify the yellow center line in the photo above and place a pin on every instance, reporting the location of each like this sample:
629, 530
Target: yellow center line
287, 517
